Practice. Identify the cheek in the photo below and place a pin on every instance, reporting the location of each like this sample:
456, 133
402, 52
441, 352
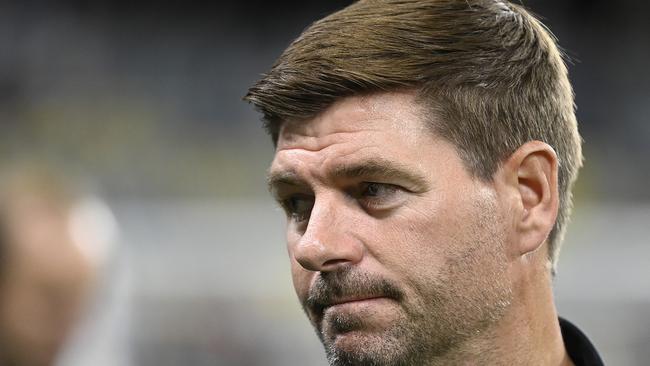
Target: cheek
418, 241
415, 237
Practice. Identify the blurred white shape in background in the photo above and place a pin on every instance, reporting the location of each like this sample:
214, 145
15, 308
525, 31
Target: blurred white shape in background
94, 229
102, 338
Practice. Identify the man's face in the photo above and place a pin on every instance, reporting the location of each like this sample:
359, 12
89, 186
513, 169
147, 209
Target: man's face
397, 253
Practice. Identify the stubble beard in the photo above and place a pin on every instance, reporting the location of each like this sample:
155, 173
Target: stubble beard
395, 346
469, 296
392, 345
432, 333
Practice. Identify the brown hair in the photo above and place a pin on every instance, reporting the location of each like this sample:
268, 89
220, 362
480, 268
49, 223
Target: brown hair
488, 70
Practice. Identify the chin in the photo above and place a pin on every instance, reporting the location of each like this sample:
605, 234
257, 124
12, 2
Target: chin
360, 348
367, 342
362, 317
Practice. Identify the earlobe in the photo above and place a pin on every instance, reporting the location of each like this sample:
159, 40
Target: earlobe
534, 169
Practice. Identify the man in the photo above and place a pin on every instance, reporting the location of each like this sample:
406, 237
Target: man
50, 250
425, 154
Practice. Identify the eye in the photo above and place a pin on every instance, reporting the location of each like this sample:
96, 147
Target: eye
380, 195
372, 189
298, 206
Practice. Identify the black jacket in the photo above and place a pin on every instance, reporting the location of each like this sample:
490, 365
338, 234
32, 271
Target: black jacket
578, 346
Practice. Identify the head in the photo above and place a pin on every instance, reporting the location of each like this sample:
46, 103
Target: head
425, 153
46, 271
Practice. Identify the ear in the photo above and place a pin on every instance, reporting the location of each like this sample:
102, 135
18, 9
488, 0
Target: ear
529, 181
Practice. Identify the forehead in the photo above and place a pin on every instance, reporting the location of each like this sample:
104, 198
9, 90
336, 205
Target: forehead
384, 138
381, 127
384, 114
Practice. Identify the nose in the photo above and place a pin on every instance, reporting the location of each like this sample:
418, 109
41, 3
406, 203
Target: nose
329, 241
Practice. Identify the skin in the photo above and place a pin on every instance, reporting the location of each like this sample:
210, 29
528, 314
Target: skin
400, 256
45, 282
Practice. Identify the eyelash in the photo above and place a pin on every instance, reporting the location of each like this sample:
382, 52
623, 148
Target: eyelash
368, 193
378, 199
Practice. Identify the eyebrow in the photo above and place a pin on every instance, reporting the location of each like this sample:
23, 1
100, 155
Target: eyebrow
373, 168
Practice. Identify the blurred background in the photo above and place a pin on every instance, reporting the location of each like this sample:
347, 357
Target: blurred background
141, 102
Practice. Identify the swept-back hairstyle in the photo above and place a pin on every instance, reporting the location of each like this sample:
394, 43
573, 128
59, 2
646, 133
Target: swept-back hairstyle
489, 73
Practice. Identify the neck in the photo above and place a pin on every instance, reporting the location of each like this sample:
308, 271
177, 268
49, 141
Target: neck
528, 334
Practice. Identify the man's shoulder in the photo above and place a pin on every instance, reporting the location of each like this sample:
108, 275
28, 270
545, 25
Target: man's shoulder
578, 346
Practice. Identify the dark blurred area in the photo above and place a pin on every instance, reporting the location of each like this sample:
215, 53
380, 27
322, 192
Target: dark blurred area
144, 99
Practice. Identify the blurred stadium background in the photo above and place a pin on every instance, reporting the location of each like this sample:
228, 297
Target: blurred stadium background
143, 100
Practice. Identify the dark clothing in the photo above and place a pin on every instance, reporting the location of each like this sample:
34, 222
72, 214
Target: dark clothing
578, 346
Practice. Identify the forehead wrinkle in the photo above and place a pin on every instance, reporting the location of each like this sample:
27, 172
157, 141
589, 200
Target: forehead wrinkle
293, 157
353, 110
314, 143
288, 170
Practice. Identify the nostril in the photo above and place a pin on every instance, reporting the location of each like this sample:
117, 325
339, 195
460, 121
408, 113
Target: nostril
334, 262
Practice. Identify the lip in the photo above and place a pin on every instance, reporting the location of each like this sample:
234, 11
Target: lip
355, 300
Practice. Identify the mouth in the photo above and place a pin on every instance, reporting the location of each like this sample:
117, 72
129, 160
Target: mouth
349, 304
342, 317
352, 300
349, 292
